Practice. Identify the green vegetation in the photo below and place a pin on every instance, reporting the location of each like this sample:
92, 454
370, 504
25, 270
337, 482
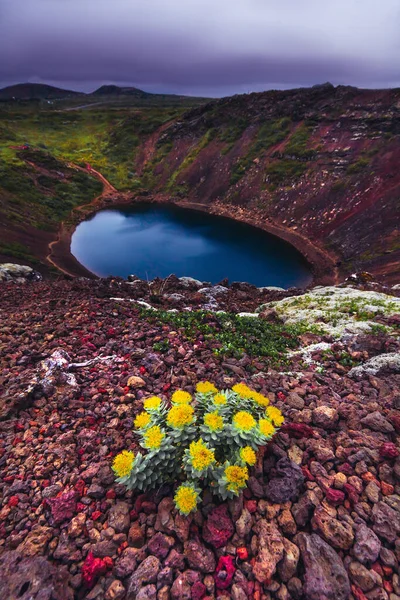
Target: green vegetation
231, 335
358, 166
190, 157
297, 145
17, 250
43, 200
281, 171
269, 134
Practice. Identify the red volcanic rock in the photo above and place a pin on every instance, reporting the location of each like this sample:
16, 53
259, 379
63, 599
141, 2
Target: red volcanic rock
13, 501
351, 493
198, 591
298, 430
218, 528
335, 496
224, 572
93, 568
63, 507
251, 506
388, 450
242, 553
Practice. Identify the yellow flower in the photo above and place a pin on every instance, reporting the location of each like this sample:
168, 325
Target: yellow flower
142, 420
153, 437
275, 415
123, 462
244, 420
236, 477
219, 399
201, 456
248, 455
205, 387
152, 403
185, 499
181, 397
259, 399
266, 427
243, 390
213, 421
180, 415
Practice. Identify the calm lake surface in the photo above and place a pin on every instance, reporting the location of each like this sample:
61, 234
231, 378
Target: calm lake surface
150, 241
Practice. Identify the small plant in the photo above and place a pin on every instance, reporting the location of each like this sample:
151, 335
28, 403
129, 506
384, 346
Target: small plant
209, 440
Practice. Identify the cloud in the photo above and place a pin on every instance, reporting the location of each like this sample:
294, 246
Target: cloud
201, 44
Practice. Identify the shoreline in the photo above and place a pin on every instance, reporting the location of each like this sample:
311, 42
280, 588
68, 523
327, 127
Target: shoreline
323, 265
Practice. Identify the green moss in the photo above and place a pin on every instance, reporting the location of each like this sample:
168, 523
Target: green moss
358, 166
281, 171
231, 335
297, 145
269, 134
190, 158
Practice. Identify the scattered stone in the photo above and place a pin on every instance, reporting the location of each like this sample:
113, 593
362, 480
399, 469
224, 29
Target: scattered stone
288, 483
118, 517
338, 534
325, 576
377, 422
218, 528
146, 572
36, 541
325, 417
199, 557
386, 522
367, 546
32, 578
270, 550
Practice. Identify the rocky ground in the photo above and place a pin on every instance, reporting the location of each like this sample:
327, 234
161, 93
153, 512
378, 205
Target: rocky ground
321, 517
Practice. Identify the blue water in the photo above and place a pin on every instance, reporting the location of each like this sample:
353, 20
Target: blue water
150, 241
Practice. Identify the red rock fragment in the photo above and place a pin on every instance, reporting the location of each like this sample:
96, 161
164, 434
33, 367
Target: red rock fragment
251, 506
218, 528
198, 591
93, 568
13, 501
307, 473
346, 469
242, 553
351, 493
335, 496
96, 515
395, 420
110, 494
387, 489
298, 430
63, 507
388, 450
80, 487
224, 572
388, 586
357, 593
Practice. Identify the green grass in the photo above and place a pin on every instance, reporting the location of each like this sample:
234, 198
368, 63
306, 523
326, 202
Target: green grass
190, 158
269, 134
298, 143
231, 335
281, 171
358, 166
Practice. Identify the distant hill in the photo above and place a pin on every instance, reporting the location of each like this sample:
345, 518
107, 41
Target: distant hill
115, 90
35, 91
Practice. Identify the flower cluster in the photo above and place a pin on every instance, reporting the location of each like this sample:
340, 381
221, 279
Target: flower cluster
210, 439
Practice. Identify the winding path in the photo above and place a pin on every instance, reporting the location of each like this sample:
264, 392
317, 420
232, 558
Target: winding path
107, 189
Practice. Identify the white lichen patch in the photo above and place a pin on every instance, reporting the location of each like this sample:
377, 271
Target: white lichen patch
336, 310
390, 361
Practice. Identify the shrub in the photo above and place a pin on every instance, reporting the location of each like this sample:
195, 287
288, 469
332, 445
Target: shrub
209, 440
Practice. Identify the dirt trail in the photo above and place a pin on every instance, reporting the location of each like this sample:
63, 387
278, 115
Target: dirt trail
107, 189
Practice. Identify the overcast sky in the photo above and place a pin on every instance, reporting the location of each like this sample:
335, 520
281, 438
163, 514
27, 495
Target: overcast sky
200, 47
